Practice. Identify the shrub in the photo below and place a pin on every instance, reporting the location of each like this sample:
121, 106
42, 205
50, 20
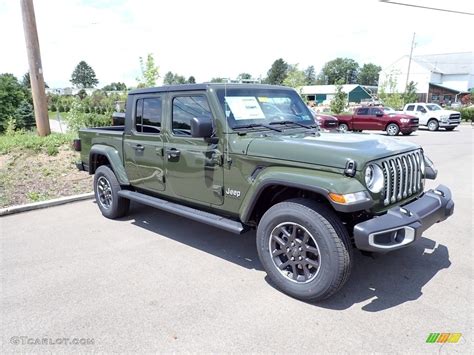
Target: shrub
53, 108
21, 140
467, 114
61, 108
76, 119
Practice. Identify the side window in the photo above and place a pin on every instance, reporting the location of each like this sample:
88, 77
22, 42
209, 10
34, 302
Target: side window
411, 108
184, 109
363, 111
148, 115
420, 109
376, 111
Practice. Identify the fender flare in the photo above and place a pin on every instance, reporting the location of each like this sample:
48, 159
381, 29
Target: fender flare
321, 183
114, 159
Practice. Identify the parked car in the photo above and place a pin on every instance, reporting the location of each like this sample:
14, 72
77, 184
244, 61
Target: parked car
326, 121
433, 116
374, 118
210, 153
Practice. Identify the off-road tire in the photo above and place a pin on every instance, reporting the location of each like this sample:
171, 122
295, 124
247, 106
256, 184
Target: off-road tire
115, 206
332, 241
433, 124
392, 129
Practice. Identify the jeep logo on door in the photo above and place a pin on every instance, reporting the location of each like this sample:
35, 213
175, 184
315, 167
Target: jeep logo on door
232, 193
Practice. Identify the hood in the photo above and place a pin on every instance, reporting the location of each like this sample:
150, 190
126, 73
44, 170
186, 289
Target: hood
447, 112
328, 149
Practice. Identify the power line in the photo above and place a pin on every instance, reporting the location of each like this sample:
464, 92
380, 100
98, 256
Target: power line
427, 7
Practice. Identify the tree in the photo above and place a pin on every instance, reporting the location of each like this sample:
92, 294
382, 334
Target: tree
388, 92
171, 78
192, 80
12, 95
83, 76
369, 74
410, 94
244, 76
338, 103
310, 75
218, 80
24, 115
340, 70
150, 72
115, 86
277, 73
295, 77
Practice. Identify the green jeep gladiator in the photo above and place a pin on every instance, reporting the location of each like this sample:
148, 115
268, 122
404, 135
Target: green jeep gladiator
239, 157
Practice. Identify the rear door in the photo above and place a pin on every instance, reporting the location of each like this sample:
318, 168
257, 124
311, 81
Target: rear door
143, 144
194, 168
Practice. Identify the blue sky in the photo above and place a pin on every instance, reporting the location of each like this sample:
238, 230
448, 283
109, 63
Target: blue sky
208, 38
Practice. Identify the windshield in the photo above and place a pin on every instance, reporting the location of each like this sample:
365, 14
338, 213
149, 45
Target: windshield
254, 106
433, 107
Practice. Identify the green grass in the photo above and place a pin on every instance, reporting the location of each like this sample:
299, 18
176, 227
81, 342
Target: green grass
21, 141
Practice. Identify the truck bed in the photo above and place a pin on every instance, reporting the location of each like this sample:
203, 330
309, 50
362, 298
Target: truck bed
109, 136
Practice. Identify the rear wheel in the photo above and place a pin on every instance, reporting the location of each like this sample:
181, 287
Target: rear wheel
392, 129
433, 125
106, 188
343, 127
304, 249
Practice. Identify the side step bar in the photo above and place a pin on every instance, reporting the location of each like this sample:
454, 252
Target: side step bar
191, 213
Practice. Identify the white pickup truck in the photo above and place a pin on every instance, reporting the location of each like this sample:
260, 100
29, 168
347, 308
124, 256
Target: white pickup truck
433, 116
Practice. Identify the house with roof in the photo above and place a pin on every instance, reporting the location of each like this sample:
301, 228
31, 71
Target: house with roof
441, 78
325, 93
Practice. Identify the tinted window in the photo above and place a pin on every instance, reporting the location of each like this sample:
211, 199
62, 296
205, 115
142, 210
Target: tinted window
184, 109
376, 111
363, 111
410, 107
420, 109
148, 115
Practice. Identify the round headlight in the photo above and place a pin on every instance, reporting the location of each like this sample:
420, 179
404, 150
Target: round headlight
374, 178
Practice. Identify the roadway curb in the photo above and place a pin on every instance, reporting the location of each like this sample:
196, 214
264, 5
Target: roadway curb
45, 204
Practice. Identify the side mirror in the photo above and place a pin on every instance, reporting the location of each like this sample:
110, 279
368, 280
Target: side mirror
379, 114
201, 127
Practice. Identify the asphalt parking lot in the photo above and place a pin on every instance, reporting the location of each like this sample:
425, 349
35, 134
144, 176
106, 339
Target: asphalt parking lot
157, 282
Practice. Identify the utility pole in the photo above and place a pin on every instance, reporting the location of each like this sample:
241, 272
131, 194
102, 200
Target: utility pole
36, 69
409, 60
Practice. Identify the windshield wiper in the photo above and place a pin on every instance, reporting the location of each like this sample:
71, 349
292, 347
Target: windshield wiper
256, 125
292, 122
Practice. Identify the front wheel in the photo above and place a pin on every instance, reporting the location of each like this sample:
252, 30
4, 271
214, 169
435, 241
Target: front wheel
305, 249
343, 127
106, 188
433, 125
392, 129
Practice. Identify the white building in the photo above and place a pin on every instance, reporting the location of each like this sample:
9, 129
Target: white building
439, 78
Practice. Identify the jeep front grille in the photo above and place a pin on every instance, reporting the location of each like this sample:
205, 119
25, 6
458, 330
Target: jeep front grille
402, 176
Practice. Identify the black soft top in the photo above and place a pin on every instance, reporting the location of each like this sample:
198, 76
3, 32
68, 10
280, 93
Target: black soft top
204, 86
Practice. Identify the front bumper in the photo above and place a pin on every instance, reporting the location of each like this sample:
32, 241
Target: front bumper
401, 226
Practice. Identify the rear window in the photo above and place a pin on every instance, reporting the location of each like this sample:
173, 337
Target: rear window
148, 115
363, 111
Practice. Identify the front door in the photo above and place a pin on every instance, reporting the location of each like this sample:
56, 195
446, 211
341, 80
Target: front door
143, 144
194, 169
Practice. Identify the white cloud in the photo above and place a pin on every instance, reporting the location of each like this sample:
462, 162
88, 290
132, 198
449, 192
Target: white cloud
222, 38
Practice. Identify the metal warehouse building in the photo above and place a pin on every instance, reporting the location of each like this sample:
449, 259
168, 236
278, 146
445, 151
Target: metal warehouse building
321, 93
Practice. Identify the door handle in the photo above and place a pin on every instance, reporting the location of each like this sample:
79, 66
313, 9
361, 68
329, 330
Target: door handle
138, 147
173, 153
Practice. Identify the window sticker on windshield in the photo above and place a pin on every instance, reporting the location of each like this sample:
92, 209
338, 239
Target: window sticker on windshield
263, 99
245, 107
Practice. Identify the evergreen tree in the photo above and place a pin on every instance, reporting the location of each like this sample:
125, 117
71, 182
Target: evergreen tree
83, 76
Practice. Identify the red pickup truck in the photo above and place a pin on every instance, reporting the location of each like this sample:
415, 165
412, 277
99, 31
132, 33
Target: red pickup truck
374, 118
